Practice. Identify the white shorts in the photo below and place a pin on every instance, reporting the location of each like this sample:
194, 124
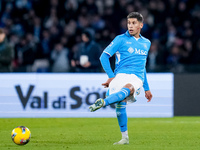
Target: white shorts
121, 80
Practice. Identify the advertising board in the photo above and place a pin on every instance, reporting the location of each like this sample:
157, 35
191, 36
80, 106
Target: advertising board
70, 94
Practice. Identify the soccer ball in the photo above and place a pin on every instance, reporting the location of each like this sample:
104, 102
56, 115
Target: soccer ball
21, 135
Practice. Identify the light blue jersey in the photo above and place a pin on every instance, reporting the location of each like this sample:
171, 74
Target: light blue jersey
131, 55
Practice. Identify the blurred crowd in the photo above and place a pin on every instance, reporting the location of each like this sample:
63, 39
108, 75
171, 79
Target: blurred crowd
69, 35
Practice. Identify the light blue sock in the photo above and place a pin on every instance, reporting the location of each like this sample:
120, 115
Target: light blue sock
122, 116
117, 97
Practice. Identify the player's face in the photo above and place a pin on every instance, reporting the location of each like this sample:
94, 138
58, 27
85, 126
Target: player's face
134, 26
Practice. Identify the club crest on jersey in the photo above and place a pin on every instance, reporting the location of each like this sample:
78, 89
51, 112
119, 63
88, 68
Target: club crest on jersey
130, 50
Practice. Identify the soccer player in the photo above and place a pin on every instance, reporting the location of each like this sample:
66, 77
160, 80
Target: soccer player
131, 50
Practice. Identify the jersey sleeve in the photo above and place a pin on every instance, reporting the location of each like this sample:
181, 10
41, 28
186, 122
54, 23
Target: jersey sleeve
104, 59
149, 45
113, 47
145, 84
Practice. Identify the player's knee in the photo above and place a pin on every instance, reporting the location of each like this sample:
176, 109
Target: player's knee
130, 87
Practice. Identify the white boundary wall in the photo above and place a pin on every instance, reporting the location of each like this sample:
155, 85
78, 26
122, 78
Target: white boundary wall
69, 95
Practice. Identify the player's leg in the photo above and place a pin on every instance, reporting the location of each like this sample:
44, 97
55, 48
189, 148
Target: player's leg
121, 110
122, 121
113, 98
127, 90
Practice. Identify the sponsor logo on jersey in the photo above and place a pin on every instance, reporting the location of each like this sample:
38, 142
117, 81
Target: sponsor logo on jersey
140, 51
137, 51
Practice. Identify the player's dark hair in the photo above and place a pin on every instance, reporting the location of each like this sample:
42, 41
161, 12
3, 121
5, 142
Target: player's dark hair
136, 15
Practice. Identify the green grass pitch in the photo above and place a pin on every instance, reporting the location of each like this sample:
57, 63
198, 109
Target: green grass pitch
178, 133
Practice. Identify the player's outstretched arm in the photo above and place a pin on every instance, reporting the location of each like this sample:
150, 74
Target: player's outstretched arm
148, 95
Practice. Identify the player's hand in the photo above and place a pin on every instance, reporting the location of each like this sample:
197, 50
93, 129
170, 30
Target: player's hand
148, 95
106, 84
